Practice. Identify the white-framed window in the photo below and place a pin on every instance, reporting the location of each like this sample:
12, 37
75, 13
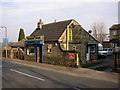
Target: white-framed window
74, 48
92, 49
114, 32
49, 49
30, 51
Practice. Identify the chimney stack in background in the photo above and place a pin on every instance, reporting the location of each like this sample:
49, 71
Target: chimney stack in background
40, 23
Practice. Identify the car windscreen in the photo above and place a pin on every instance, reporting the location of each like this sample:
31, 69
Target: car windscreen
105, 49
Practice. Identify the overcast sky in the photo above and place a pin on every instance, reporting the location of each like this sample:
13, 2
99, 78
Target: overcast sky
26, 13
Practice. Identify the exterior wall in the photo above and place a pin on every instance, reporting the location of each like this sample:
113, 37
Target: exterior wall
112, 36
63, 41
63, 37
106, 44
29, 57
14, 53
80, 40
115, 39
74, 22
117, 61
57, 56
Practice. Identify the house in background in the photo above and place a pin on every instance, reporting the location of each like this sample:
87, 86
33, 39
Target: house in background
115, 36
17, 50
19, 44
115, 44
106, 44
61, 43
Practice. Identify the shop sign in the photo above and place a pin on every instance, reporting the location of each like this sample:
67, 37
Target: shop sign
34, 38
71, 56
70, 35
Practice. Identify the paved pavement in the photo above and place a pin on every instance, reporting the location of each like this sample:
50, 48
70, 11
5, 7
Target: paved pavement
108, 61
25, 74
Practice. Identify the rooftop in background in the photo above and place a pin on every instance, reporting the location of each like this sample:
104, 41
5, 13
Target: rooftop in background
19, 44
115, 27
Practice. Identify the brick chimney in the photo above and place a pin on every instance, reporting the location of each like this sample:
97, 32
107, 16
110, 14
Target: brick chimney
39, 24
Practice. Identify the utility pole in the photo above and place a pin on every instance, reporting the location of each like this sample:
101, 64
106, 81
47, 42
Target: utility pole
5, 37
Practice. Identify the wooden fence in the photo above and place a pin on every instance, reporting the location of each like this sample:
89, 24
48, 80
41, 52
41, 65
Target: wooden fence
13, 54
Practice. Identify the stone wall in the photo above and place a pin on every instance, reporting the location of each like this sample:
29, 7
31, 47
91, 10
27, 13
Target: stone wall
57, 56
13, 54
117, 61
80, 40
106, 44
30, 58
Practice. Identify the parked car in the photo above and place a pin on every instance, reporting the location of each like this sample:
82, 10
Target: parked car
105, 52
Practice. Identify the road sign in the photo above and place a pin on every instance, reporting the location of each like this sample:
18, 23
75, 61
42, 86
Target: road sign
71, 56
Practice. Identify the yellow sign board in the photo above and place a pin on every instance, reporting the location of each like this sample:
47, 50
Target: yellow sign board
70, 35
32, 38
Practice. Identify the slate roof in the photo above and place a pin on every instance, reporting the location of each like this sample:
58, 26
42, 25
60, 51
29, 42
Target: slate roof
19, 44
115, 27
52, 31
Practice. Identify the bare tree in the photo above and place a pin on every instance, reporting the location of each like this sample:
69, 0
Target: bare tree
98, 29
94, 27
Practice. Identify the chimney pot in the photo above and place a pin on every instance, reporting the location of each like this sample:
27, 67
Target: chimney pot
40, 23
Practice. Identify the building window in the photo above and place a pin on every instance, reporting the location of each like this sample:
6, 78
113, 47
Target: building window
114, 32
92, 49
30, 51
49, 49
74, 48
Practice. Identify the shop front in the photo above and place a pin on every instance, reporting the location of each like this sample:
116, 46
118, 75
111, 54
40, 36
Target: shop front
35, 48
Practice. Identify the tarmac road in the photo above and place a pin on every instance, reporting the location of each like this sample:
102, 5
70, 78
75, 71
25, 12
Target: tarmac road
22, 76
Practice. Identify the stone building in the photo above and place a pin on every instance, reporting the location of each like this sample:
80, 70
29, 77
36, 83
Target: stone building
17, 50
115, 35
61, 43
106, 44
19, 44
115, 44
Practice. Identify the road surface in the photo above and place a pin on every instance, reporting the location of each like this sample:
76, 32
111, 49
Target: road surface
22, 76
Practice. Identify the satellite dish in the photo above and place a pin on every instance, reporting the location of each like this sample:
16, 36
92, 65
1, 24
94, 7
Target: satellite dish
90, 31
55, 20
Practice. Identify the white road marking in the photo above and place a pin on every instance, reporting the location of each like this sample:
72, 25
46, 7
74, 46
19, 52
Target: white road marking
76, 88
27, 75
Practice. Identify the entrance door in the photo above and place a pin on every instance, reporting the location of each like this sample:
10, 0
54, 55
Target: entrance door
88, 54
40, 53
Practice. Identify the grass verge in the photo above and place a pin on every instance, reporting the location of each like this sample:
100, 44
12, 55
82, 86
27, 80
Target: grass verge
102, 68
91, 64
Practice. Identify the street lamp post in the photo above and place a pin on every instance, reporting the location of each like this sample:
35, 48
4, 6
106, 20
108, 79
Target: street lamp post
5, 37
